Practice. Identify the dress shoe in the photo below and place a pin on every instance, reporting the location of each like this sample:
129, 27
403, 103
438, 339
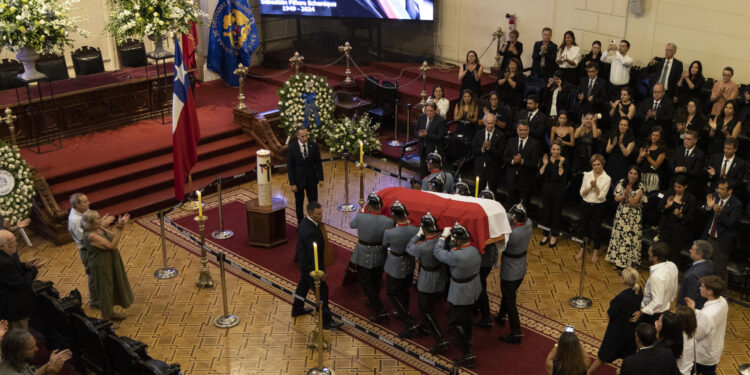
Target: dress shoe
552, 245
440, 348
332, 325
411, 331
119, 316
544, 241
380, 318
511, 339
483, 323
304, 311
468, 361
500, 320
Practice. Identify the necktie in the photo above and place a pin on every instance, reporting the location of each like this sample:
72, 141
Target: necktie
724, 168
663, 78
489, 135
528, 117
656, 105
687, 153
304, 150
591, 87
427, 126
714, 225
520, 146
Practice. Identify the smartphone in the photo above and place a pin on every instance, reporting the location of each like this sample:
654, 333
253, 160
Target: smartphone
569, 329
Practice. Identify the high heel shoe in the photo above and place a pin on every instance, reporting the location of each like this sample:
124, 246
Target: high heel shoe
552, 245
544, 241
580, 254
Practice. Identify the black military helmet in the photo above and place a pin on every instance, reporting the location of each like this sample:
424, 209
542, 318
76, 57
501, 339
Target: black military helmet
398, 210
487, 193
461, 188
429, 223
459, 233
517, 212
435, 159
374, 201
437, 183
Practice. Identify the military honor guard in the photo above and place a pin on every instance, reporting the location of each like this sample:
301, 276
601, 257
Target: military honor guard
434, 166
461, 188
489, 261
512, 271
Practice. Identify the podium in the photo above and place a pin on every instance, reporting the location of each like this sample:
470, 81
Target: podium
266, 225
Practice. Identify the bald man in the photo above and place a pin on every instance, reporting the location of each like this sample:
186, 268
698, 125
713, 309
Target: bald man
487, 147
16, 294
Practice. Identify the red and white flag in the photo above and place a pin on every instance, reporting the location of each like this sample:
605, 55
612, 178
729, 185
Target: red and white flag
185, 129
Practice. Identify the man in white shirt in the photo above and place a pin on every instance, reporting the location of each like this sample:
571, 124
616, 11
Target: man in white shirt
661, 287
620, 63
710, 345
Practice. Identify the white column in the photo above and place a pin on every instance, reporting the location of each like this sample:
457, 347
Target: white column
264, 177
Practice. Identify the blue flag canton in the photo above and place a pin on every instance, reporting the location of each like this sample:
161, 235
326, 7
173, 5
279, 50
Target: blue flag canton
180, 76
234, 29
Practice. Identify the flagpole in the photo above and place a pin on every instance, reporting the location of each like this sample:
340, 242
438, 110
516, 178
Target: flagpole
190, 205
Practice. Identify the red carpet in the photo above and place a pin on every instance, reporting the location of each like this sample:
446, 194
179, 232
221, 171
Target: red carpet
539, 332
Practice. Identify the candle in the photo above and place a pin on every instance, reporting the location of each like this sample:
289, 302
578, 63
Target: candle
361, 152
476, 188
315, 255
200, 205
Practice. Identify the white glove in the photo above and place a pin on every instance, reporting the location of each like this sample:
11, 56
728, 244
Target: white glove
420, 233
446, 232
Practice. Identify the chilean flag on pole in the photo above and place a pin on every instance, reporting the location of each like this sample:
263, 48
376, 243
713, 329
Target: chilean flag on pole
185, 129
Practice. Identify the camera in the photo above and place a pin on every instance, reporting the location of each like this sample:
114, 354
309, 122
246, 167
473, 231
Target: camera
569, 328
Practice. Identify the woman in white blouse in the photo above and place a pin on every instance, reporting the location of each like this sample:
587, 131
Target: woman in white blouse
568, 57
443, 104
594, 193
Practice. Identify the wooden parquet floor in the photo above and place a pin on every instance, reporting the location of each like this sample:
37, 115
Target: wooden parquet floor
175, 318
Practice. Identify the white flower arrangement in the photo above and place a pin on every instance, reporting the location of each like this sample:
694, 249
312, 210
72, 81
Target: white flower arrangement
292, 105
344, 135
139, 18
41, 25
16, 204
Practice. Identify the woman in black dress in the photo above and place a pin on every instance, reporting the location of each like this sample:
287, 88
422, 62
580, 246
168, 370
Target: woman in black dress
722, 127
623, 107
691, 83
511, 49
501, 112
677, 210
586, 137
619, 338
470, 74
619, 150
651, 158
512, 85
563, 131
555, 174
691, 118
594, 56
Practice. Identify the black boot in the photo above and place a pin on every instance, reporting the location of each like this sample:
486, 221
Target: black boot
441, 344
380, 318
467, 359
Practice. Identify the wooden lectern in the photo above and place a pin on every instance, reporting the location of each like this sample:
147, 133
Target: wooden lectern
266, 225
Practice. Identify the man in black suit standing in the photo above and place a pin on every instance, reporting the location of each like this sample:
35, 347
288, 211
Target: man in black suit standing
687, 160
727, 165
521, 157
592, 91
487, 147
305, 170
700, 253
309, 233
655, 111
431, 131
543, 56
666, 71
536, 120
650, 359
16, 277
721, 229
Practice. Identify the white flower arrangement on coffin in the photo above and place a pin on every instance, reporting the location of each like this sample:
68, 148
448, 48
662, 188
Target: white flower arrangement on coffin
295, 99
39, 25
16, 184
343, 136
157, 18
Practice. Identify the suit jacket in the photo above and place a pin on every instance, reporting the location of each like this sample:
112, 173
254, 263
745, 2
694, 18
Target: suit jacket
549, 60
675, 73
16, 293
726, 225
650, 361
691, 283
562, 98
693, 165
435, 137
537, 125
521, 174
736, 171
599, 92
492, 159
664, 115
309, 232
304, 171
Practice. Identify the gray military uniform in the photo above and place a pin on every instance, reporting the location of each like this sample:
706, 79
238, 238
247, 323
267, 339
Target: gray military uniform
370, 229
464, 264
399, 264
447, 177
513, 265
432, 276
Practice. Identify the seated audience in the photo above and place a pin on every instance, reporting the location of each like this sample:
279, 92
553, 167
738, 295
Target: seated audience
512, 48
724, 126
568, 57
713, 318
678, 209
564, 132
466, 115
723, 91
470, 74
16, 278
567, 356
19, 350
700, 254
443, 104
620, 146
691, 83
650, 359
511, 85
650, 159
625, 243
543, 56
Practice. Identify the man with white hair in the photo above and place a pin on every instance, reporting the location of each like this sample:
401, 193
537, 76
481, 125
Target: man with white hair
16, 293
667, 71
487, 147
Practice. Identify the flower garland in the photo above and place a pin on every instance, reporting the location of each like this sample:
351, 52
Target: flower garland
16, 184
41, 25
344, 135
139, 18
292, 104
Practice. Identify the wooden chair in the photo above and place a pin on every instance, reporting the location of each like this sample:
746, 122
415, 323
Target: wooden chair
87, 60
132, 53
9, 69
53, 66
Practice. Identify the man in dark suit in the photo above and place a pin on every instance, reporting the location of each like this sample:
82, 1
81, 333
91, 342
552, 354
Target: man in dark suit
535, 118
655, 111
687, 160
592, 91
487, 147
305, 170
309, 233
666, 71
700, 253
650, 359
721, 229
727, 165
555, 95
543, 56
16, 277
431, 131
521, 157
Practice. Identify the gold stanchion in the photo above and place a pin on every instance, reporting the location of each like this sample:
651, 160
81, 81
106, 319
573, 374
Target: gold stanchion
204, 279
9, 120
346, 206
424, 68
361, 167
316, 341
165, 272
346, 49
241, 71
579, 301
296, 61
226, 320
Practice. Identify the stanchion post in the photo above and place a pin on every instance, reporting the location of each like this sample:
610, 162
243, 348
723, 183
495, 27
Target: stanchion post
579, 301
408, 120
395, 142
346, 206
317, 341
226, 320
204, 279
361, 167
221, 233
424, 68
165, 272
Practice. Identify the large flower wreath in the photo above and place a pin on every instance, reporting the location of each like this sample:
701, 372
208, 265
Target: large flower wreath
16, 184
306, 100
344, 136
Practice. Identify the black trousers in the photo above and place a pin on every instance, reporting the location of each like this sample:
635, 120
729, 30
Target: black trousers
306, 282
398, 292
705, 369
593, 214
720, 258
650, 319
370, 280
508, 307
484, 301
459, 317
309, 188
426, 302
553, 198
677, 239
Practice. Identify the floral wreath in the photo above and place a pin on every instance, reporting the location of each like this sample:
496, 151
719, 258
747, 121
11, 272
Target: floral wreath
306, 99
16, 184
345, 134
41, 25
138, 18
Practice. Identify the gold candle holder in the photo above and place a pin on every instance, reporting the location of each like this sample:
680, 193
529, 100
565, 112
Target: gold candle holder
296, 61
361, 167
346, 49
241, 72
10, 119
204, 279
317, 340
496, 36
424, 68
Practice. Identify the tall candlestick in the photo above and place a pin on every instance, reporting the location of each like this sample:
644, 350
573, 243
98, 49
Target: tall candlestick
476, 188
361, 152
315, 254
200, 204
